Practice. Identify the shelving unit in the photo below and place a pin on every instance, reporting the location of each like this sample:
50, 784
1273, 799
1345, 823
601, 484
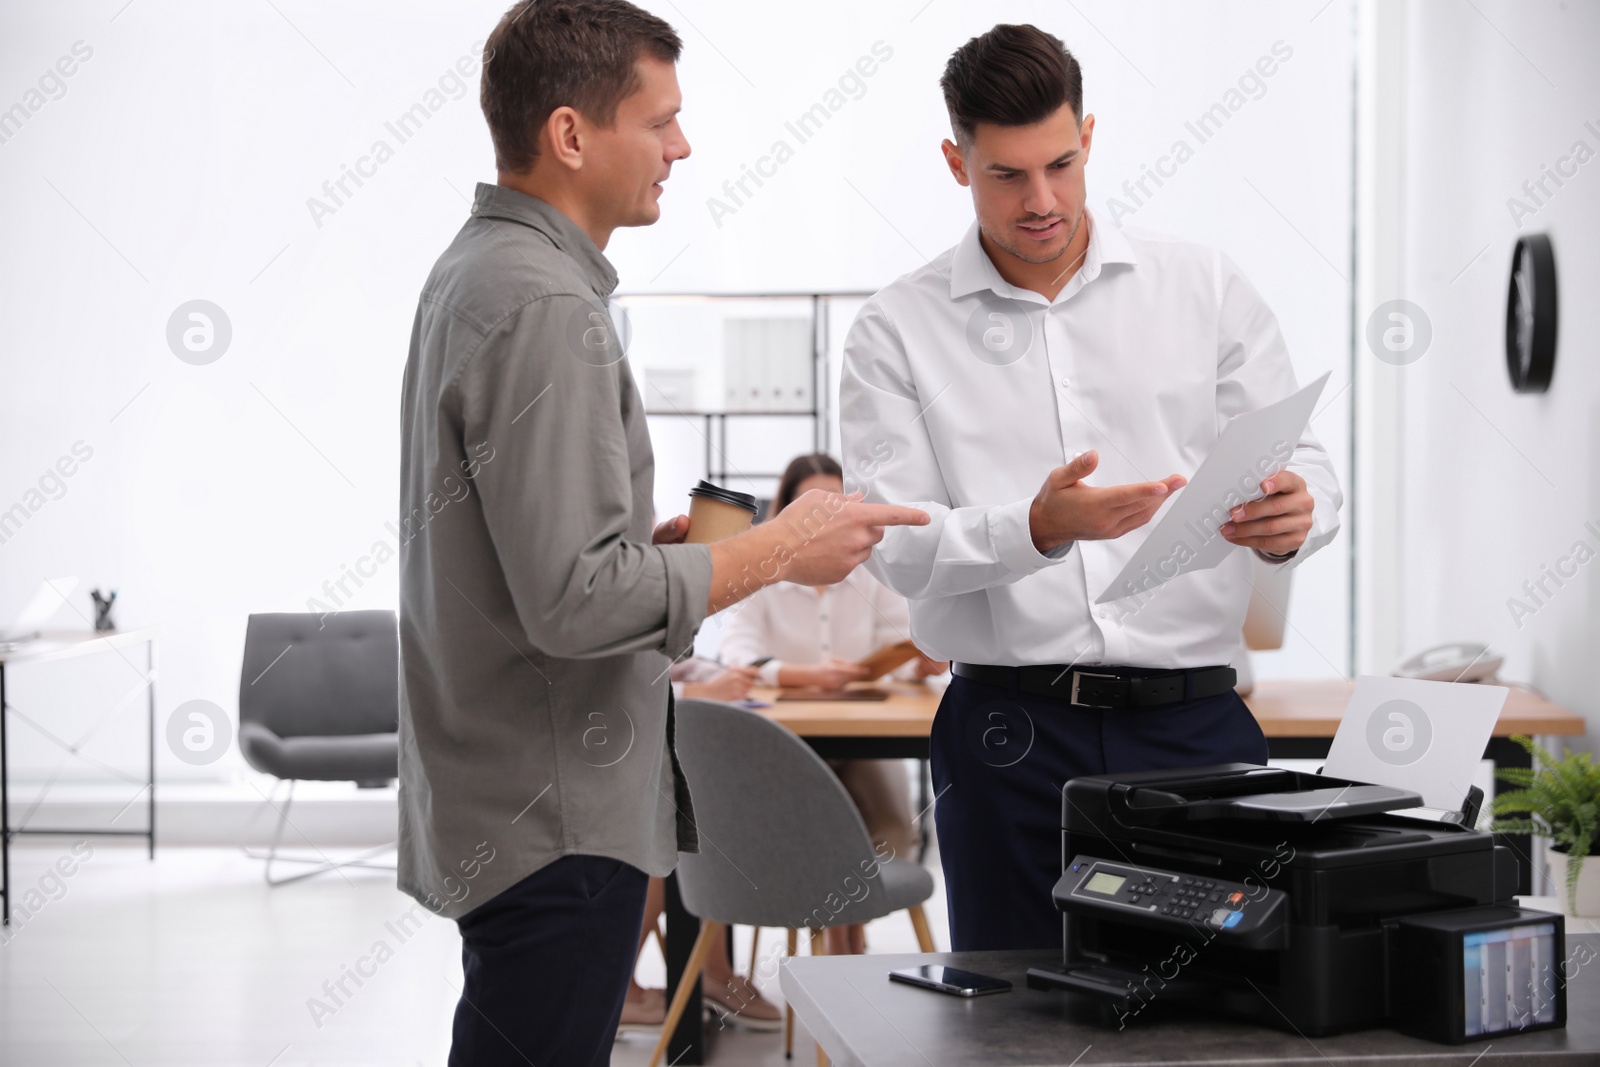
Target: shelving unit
719, 466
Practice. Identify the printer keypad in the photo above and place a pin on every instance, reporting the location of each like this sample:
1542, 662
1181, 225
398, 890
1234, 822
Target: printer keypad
1184, 898
1187, 898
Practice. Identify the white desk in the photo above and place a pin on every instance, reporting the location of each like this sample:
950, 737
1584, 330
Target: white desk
55, 645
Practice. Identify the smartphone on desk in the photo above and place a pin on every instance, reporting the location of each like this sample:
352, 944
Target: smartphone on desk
952, 980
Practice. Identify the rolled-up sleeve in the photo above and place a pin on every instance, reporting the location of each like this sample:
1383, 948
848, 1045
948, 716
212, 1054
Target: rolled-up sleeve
557, 497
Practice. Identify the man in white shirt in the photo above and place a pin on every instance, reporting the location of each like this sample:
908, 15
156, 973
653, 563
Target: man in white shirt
1046, 351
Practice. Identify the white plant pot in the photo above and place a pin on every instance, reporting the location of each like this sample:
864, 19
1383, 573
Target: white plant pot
1588, 883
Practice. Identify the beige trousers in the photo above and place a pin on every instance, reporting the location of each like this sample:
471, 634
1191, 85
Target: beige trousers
881, 789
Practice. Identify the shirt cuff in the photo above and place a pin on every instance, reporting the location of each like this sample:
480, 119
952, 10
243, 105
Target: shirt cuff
1013, 539
688, 575
768, 672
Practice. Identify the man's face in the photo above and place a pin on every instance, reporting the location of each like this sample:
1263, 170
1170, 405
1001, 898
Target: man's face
625, 164
1027, 182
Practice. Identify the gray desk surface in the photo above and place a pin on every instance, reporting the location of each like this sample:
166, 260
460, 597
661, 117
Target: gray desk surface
862, 1019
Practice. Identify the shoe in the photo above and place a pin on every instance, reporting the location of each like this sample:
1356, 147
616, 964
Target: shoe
738, 1003
646, 1013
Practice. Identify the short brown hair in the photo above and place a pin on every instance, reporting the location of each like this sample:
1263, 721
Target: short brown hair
546, 54
799, 469
1010, 76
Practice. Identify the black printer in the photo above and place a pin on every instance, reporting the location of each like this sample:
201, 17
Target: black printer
1296, 901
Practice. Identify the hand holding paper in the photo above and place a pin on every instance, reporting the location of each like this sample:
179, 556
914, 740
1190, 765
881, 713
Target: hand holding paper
1252, 447
1277, 523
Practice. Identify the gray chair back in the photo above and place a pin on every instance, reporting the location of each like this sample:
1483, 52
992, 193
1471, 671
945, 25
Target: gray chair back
311, 675
781, 842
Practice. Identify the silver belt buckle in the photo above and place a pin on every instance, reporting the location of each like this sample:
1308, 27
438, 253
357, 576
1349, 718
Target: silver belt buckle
1086, 674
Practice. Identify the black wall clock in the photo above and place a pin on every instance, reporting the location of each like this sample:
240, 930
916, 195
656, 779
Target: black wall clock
1531, 315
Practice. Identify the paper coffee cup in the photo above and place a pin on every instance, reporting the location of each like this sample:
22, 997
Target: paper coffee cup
715, 513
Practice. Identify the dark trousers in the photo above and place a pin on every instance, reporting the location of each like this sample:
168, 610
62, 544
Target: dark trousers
999, 762
547, 965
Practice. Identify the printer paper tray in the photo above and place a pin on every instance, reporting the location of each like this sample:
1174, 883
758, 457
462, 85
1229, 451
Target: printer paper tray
1257, 795
1309, 805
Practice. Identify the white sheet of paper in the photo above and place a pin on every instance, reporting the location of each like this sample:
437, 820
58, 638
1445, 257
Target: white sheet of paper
1410, 734
1185, 538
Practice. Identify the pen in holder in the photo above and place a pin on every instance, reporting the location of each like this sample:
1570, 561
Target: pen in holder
102, 610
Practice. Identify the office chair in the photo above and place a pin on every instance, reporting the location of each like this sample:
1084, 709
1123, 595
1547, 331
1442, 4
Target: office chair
781, 844
319, 701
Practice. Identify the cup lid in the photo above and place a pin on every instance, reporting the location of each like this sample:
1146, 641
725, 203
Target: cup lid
727, 496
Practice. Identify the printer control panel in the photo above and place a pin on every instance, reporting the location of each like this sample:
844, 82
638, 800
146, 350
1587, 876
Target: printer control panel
1152, 896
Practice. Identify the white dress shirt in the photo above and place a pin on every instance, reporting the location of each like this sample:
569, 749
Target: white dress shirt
690, 672
960, 392
801, 624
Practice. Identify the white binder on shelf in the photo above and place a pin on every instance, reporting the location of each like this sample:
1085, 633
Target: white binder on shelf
744, 364
790, 366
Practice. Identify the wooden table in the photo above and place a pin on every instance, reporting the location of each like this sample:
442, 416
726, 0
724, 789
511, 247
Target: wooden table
1310, 710
1299, 718
55, 645
896, 728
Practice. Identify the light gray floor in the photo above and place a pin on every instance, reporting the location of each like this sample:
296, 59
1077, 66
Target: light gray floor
191, 959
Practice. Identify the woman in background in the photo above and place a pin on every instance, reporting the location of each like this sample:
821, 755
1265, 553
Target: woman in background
818, 636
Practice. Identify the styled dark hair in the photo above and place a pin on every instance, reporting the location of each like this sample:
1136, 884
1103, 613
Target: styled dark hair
546, 54
1010, 76
799, 469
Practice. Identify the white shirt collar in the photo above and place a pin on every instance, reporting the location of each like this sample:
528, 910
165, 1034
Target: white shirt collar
972, 271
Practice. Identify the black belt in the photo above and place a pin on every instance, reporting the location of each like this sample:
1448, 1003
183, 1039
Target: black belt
1105, 687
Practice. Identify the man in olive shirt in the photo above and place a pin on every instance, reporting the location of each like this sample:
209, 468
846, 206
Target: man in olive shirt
539, 613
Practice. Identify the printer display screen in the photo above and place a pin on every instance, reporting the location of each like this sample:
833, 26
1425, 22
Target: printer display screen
1103, 882
1509, 981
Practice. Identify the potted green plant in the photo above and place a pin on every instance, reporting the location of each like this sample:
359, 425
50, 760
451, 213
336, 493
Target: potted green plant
1559, 800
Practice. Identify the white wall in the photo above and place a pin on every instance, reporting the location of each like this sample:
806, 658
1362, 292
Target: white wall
1495, 485
178, 163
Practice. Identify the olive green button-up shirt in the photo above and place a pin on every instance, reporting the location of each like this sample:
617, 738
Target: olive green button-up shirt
536, 618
